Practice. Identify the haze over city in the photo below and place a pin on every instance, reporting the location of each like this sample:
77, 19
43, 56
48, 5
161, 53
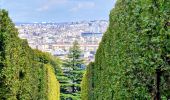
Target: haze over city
58, 23
57, 10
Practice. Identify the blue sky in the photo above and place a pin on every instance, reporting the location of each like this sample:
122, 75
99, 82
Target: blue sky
57, 10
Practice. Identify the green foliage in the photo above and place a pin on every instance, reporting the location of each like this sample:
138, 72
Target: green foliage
72, 76
86, 84
53, 85
134, 47
23, 72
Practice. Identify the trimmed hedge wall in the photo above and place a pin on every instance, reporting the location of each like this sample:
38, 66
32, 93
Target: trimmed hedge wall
23, 72
133, 56
53, 84
86, 84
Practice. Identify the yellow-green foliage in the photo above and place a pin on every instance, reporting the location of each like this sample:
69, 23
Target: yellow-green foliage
84, 87
53, 84
86, 84
23, 75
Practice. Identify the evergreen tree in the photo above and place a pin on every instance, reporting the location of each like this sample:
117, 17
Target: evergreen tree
73, 72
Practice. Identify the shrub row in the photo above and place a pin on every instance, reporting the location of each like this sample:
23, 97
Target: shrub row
23, 71
132, 61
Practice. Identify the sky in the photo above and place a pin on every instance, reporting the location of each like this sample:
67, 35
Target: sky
57, 10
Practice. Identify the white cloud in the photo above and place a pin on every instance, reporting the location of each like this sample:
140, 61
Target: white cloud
51, 3
83, 5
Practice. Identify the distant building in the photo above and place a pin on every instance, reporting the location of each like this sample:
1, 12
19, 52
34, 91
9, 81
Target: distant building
57, 38
90, 34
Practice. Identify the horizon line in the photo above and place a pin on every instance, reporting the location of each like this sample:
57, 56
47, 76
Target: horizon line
44, 22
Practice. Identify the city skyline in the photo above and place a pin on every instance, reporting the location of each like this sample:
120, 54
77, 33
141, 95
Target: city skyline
57, 39
58, 11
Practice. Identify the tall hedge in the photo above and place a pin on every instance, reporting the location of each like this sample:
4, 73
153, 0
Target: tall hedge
132, 61
86, 84
23, 75
53, 85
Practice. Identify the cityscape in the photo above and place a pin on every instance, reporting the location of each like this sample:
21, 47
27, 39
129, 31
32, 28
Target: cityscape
84, 49
57, 38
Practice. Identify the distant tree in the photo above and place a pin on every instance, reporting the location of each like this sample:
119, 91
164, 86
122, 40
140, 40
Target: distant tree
73, 71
